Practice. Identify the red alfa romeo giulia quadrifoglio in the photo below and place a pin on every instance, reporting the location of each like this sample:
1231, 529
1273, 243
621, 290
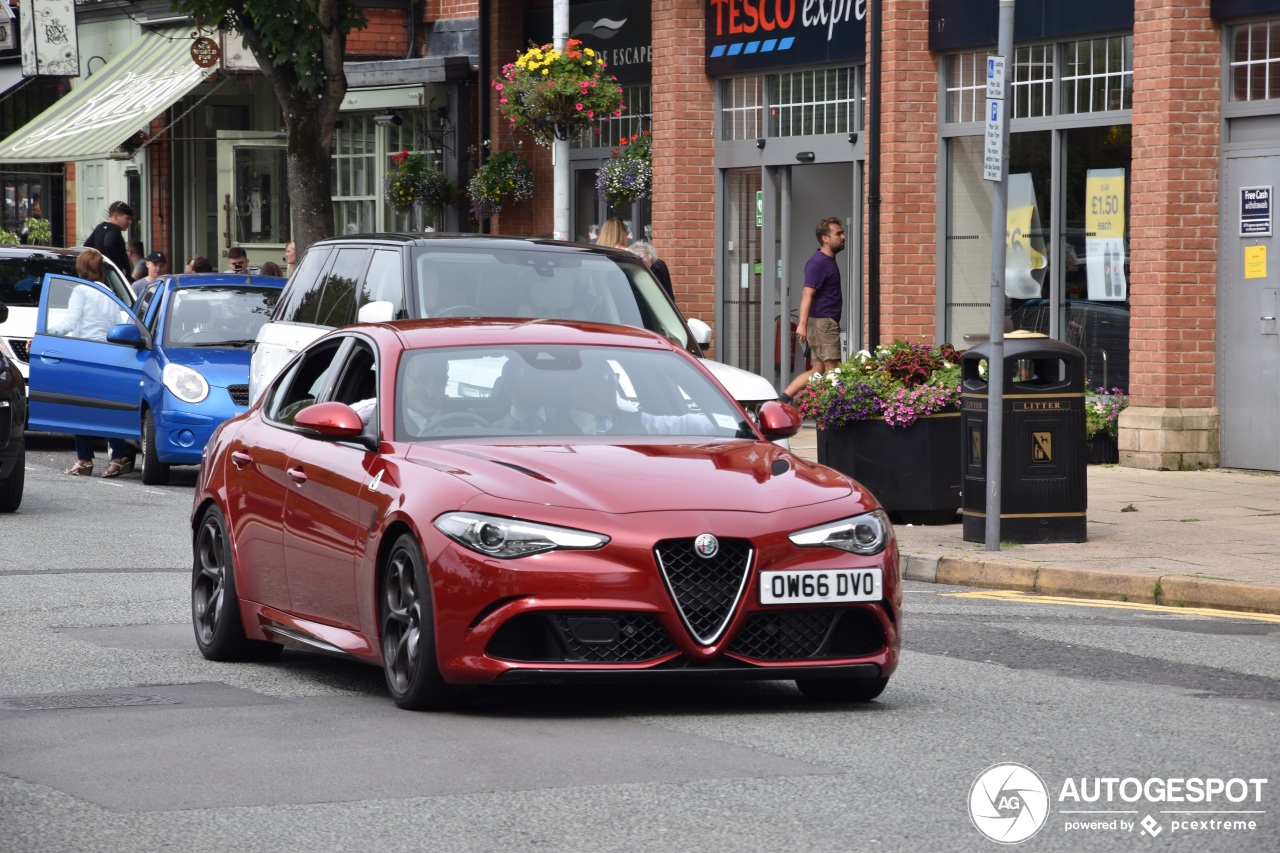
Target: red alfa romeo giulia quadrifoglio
472, 502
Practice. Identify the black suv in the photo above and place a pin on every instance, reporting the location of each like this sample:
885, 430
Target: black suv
376, 277
13, 419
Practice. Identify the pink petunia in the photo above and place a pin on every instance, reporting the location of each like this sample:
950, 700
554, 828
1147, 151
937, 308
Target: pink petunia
498, 86
578, 107
591, 113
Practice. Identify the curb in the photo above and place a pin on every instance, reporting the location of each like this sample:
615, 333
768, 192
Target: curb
1172, 591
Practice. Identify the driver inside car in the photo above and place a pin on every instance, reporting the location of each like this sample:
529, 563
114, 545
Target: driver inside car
423, 395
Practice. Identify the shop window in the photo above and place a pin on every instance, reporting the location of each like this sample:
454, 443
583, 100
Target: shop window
1031, 84
737, 339
1255, 61
355, 168
1097, 75
609, 131
742, 108
808, 103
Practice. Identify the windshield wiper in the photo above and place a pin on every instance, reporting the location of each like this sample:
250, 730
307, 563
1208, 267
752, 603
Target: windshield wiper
242, 342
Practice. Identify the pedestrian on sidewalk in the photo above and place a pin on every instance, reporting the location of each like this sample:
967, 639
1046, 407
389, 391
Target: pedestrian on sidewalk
821, 305
645, 251
108, 236
137, 265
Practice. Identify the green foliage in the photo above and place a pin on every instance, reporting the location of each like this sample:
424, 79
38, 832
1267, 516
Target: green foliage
545, 89
38, 232
8, 238
900, 383
1102, 411
505, 178
627, 176
291, 32
410, 181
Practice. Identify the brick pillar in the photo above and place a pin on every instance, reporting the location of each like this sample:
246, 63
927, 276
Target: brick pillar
1172, 421
507, 39
908, 162
684, 172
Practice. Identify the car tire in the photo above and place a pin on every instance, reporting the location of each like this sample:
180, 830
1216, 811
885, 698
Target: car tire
154, 472
406, 619
215, 607
842, 689
11, 488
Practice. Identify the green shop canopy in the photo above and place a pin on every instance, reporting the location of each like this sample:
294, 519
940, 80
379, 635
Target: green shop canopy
111, 106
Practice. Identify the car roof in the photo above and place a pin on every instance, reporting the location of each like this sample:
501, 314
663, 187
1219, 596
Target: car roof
11, 251
470, 331
217, 279
462, 240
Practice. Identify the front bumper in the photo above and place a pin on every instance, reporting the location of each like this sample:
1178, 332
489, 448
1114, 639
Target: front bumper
181, 434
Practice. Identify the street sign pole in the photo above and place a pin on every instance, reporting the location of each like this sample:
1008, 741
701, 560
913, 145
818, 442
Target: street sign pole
997, 170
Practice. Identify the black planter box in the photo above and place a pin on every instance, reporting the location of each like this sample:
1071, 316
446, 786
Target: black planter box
1102, 449
915, 472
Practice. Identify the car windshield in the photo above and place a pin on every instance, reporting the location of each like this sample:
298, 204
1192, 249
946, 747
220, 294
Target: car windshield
218, 316
558, 285
559, 391
20, 278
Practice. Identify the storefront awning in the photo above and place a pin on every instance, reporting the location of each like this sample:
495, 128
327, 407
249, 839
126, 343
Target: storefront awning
112, 105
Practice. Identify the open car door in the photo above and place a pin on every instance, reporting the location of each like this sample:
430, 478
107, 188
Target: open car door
86, 377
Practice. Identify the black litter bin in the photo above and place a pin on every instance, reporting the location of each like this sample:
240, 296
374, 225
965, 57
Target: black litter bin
1044, 494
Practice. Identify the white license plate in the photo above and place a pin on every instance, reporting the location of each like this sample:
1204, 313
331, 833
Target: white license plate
832, 585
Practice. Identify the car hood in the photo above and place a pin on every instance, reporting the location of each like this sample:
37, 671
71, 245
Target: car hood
742, 385
220, 367
745, 476
21, 322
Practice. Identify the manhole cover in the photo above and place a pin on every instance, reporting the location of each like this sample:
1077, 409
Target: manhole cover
99, 700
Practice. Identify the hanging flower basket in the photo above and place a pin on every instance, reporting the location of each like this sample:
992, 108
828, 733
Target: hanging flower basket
410, 181
552, 93
627, 176
505, 178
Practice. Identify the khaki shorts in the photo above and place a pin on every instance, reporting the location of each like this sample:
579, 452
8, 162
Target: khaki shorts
824, 339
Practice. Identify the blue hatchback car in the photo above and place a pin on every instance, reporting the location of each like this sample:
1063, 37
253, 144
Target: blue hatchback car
163, 373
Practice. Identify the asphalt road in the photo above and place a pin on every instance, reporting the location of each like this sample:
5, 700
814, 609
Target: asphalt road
116, 735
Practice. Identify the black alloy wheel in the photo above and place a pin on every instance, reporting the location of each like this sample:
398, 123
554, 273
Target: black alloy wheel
408, 632
215, 609
842, 689
154, 472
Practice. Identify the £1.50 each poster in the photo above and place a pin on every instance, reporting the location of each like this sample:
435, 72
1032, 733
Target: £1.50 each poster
1105, 254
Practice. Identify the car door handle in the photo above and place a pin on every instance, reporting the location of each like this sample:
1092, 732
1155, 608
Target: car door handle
297, 475
51, 357
240, 459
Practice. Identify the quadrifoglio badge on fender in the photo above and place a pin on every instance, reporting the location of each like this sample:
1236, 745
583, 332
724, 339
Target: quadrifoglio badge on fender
1008, 803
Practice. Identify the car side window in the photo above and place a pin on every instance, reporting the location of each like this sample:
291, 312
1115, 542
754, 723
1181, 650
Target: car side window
384, 282
335, 304
82, 310
144, 304
306, 280
302, 386
357, 384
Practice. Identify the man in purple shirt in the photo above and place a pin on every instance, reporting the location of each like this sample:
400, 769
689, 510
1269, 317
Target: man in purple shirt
821, 306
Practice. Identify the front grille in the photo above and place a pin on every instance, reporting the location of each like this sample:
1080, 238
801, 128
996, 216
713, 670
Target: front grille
581, 637
239, 394
784, 635
810, 633
21, 348
705, 591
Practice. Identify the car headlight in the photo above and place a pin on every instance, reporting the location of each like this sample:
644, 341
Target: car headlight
865, 534
186, 384
506, 538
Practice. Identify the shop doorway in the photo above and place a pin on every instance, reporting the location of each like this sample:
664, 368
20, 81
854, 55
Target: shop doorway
253, 198
1248, 333
770, 219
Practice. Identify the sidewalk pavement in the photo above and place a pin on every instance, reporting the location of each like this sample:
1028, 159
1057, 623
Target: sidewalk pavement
1180, 538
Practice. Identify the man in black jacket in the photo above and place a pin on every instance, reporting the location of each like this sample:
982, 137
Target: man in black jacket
108, 236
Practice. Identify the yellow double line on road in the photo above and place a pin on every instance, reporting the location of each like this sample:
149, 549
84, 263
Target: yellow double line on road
1032, 598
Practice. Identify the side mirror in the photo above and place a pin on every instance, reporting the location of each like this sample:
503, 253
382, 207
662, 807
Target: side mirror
701, 332
127, 334
778, 419
330, 420
376, 312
